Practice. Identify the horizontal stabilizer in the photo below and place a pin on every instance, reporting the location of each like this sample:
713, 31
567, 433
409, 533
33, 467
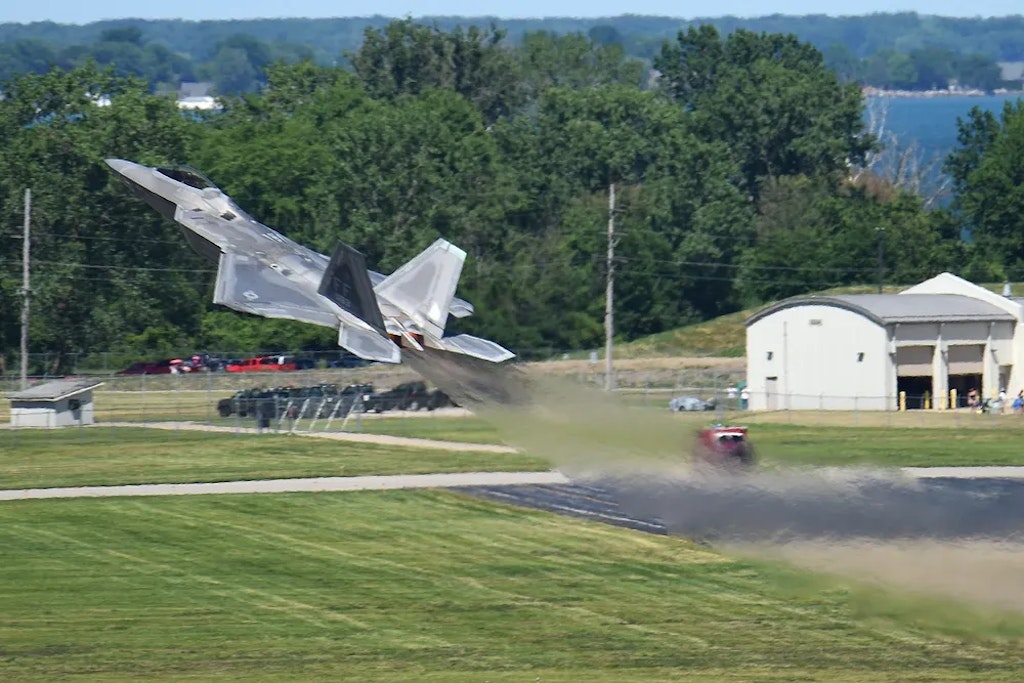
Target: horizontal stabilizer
423, 288
368, 345
460, 308
468, 345
245, 284
346, 282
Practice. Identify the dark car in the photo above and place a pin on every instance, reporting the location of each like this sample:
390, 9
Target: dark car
159, 367
347, 360
351, 398
408, 396
317, 401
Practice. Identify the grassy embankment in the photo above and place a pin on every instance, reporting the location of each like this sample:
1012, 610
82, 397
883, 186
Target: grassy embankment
433, 586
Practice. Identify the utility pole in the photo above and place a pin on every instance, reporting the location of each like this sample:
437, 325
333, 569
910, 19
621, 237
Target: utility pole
25, 290
880, 232
609, 328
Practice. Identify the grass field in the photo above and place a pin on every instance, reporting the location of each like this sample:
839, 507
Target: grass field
126, 455
433, 586
987, 441
462, 429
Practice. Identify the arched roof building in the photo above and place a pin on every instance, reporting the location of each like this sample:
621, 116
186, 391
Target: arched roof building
861, 351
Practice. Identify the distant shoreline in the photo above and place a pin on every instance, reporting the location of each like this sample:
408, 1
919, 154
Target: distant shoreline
869, 91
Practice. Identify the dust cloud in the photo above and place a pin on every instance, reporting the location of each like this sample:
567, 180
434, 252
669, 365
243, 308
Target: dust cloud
985, 573
958, 539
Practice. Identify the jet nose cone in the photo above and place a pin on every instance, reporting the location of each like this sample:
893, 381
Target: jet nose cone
120, 165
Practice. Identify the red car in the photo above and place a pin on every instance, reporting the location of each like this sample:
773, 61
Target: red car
264, 364
723, 446
145, 367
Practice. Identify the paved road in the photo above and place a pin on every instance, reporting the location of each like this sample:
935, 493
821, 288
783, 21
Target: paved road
310, 484
357, 437
947, 503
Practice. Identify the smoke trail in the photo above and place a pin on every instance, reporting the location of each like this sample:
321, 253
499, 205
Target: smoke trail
950, 537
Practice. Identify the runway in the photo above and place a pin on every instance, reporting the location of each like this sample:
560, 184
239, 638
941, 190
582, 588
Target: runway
946, 505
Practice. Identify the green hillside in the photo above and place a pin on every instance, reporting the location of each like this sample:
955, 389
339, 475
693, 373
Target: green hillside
726, 335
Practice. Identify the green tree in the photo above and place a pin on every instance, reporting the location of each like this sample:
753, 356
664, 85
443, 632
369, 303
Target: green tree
811, 238
574, 61
104, 270
405, 58
770, 98
987, 170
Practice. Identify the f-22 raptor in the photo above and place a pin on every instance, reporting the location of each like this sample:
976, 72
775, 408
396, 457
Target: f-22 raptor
260, 271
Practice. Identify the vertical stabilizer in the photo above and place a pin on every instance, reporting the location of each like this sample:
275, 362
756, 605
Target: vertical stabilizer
346, 282
424, 287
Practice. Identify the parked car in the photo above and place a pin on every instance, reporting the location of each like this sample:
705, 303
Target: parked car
681, 404
319, 401
263, 364
159, 367
354, 396
347, 360
205, 362
408, 396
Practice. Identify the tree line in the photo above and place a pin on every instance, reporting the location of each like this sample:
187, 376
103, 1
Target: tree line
905, 51
743, 174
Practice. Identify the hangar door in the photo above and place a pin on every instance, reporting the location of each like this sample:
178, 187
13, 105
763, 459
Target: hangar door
966, 365
914, 373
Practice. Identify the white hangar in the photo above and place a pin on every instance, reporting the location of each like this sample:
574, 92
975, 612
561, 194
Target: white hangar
861, 351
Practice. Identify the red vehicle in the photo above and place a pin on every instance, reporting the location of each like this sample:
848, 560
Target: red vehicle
269, 364
143, 367
725, 447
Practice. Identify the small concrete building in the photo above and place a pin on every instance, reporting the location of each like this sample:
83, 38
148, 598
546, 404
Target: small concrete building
61, 403
860, 352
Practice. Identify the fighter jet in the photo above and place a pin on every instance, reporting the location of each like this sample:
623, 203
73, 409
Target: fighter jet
260, 271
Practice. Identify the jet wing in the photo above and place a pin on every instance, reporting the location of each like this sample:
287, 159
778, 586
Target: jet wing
245, 284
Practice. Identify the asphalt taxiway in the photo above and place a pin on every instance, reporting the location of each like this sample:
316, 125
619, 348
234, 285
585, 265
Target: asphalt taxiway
947, 503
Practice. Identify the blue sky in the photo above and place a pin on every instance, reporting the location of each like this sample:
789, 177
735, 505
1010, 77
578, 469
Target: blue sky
79, 12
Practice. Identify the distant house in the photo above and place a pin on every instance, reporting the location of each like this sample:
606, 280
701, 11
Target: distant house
196, 95
1013, 73
61, 403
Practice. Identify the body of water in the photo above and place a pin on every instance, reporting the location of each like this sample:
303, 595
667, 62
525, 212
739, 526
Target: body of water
927, 127
930, 122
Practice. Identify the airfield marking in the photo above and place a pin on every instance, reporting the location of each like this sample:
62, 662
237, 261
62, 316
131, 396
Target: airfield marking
979, 472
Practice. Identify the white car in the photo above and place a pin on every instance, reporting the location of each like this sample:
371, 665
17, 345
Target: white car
690, 403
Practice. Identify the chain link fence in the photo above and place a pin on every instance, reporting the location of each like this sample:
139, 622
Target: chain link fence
350, 400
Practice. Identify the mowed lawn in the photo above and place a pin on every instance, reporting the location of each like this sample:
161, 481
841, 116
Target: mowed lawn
128, 455
410, 586
892, 447
999, 442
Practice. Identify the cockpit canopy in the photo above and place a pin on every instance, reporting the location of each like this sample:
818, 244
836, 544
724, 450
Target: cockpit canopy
187, 175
